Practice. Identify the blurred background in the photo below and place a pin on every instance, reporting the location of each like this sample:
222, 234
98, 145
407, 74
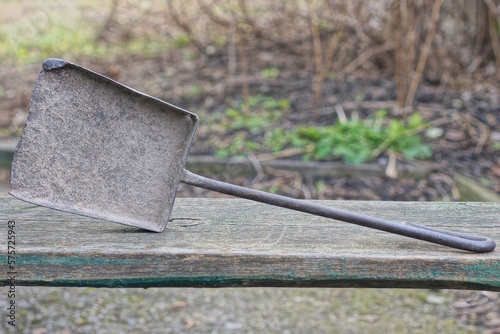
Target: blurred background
320, 99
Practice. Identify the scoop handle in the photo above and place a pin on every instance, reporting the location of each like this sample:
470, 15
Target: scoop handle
468, 242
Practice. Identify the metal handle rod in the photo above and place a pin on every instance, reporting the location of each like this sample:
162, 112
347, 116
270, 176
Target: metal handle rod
473, 243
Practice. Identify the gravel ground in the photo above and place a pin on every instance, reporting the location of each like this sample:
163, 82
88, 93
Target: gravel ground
237, 310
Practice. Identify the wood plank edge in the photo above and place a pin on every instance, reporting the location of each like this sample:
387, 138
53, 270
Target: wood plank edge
242, 282
253, 270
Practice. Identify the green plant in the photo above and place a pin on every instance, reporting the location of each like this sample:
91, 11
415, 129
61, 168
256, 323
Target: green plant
355, 141
270, 72
181, 41
352, 141
195, 90
263, 112
402, 137
277, 139
239, 145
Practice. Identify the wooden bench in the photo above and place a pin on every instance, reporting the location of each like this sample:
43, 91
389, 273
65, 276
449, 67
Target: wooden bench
233, 242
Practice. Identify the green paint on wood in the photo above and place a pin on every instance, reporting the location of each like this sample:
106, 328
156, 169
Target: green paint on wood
481, 271
74, 261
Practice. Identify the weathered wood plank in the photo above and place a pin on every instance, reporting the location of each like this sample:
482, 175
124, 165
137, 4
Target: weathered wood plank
233, 242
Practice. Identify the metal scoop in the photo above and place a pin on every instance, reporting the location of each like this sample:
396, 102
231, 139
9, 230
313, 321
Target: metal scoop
97, 148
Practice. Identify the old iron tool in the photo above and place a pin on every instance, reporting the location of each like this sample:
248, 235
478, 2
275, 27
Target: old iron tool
95, 147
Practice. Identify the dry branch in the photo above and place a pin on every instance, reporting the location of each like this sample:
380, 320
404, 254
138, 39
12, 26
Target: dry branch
109, 20
365, 56
493, 9
318, 55
425, 53
184, 26
400, 58
495, 39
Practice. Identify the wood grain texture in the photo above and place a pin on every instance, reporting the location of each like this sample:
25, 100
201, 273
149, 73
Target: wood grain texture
234, 242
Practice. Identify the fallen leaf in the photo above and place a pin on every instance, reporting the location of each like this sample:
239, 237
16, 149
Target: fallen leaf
189, 324
39, 330
179, 304
496, 170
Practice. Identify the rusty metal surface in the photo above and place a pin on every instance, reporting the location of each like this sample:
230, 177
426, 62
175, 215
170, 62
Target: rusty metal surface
94, 147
